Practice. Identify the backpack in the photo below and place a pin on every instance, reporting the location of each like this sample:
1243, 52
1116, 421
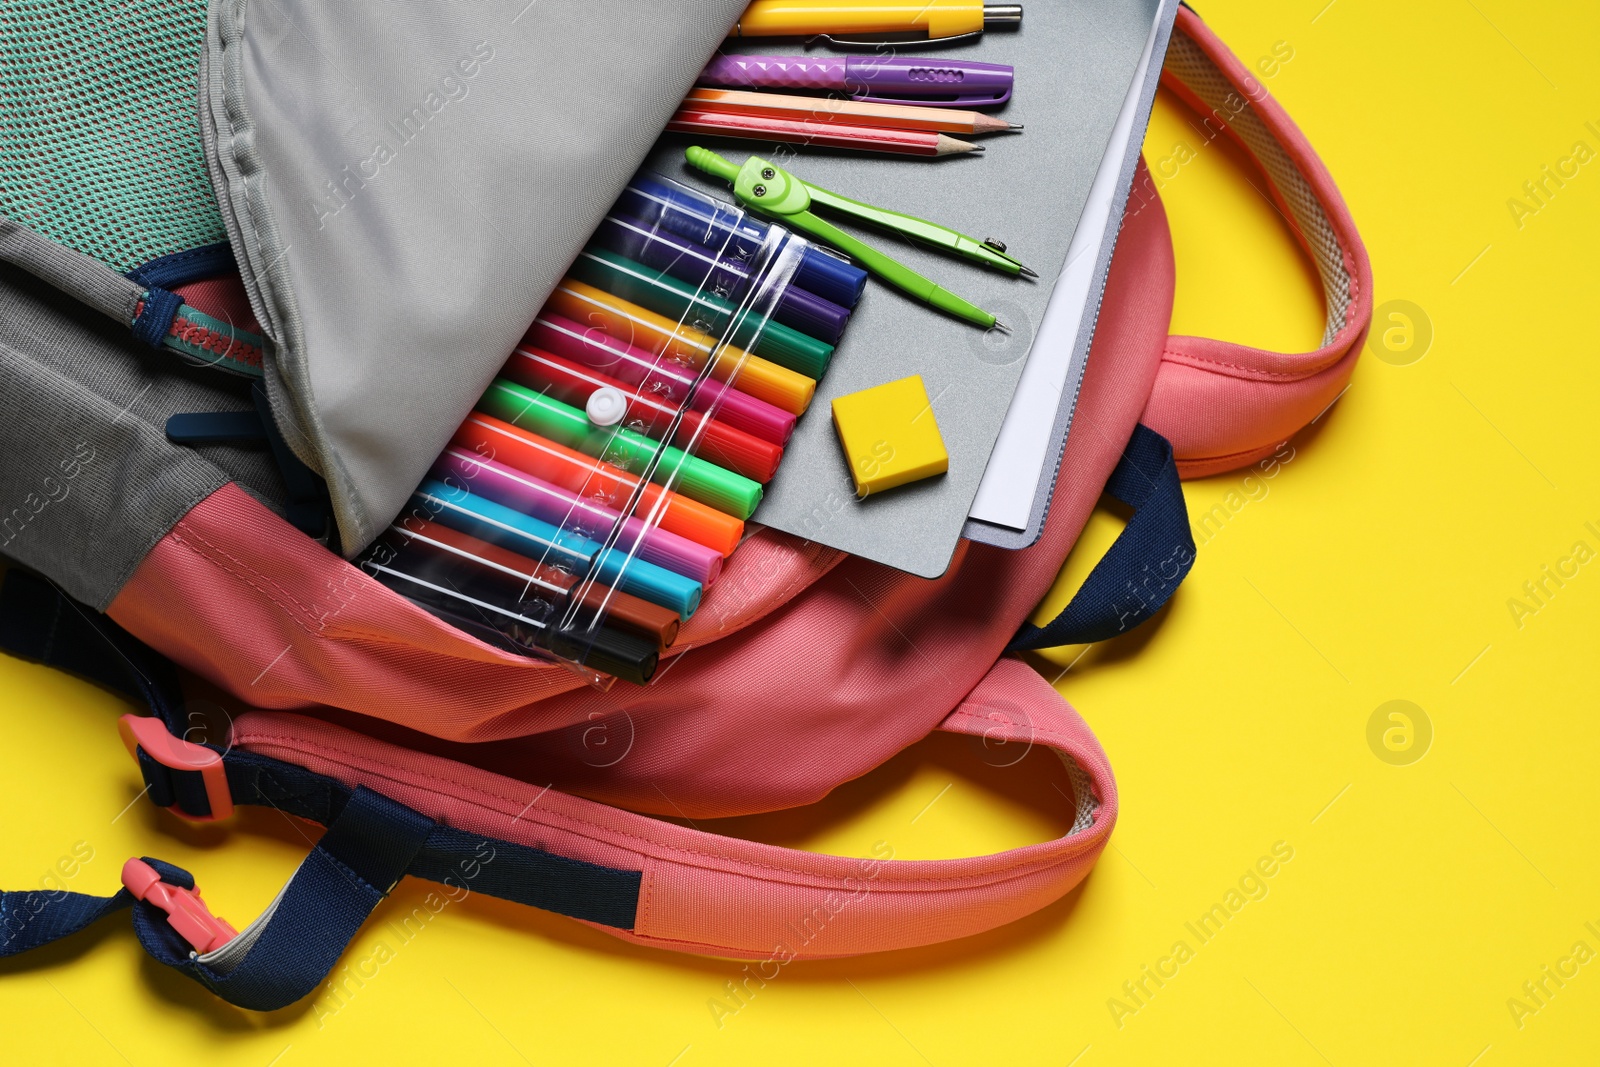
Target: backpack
427, 753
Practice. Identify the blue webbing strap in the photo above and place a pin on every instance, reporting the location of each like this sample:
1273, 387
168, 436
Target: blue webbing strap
32, 918
1149, 559
371, 841
286, 953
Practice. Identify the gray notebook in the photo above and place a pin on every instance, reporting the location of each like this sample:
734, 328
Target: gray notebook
1076, 65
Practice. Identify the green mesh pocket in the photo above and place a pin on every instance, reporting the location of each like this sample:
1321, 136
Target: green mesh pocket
99, 142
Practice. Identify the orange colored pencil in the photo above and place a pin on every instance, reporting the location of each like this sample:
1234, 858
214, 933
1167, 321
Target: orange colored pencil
848, 112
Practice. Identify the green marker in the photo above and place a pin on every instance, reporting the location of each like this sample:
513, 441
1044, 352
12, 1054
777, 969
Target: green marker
695, 478
666, 295
773, 191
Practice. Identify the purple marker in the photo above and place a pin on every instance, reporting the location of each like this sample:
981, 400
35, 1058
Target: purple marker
933, 81
719, 276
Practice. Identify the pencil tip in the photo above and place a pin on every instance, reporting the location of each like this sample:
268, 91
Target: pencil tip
978, 148
1016, 125
1026, 273
951, 146
1002, 327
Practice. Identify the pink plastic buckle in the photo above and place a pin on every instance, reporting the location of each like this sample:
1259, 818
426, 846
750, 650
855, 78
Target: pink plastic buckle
151, 735
186, 912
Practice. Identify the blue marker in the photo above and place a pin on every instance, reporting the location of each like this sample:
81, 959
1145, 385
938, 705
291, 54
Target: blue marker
484, 519
734, 233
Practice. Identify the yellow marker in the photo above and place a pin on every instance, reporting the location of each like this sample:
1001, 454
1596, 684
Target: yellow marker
889, 435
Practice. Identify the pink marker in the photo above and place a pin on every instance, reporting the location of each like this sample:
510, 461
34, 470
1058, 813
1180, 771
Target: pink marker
595, 348
562, 508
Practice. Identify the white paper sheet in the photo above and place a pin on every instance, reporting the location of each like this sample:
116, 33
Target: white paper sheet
1024, 448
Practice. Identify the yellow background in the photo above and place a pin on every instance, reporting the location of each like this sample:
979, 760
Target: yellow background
1377, 565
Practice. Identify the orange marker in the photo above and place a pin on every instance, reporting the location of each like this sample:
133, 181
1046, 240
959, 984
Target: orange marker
629, 322
594, 479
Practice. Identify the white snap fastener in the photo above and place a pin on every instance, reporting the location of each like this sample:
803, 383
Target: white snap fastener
607, 405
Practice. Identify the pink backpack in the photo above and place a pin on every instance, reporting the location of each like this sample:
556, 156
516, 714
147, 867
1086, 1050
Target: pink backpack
429, 753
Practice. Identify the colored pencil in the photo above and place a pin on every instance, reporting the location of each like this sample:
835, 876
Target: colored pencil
725, 275
682, 211
495, 606
659, 291
819, 134
475, 608
846, 112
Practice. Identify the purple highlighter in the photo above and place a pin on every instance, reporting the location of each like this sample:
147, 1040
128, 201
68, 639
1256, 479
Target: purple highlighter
933, 81
565, 510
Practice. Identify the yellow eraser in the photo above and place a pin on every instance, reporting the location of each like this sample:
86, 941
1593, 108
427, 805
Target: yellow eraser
889, 435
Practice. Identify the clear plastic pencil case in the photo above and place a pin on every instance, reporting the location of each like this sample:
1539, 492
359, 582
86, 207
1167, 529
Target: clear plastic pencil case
589, 500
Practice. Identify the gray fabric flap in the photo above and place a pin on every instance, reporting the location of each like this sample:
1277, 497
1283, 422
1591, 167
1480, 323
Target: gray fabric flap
404, 183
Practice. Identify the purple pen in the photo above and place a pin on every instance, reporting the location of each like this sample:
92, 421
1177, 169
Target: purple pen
931, 81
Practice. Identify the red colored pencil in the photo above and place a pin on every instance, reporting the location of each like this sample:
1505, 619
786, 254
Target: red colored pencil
820, 134
847, 112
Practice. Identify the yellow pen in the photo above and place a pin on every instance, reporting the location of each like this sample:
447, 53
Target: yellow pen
940, 20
